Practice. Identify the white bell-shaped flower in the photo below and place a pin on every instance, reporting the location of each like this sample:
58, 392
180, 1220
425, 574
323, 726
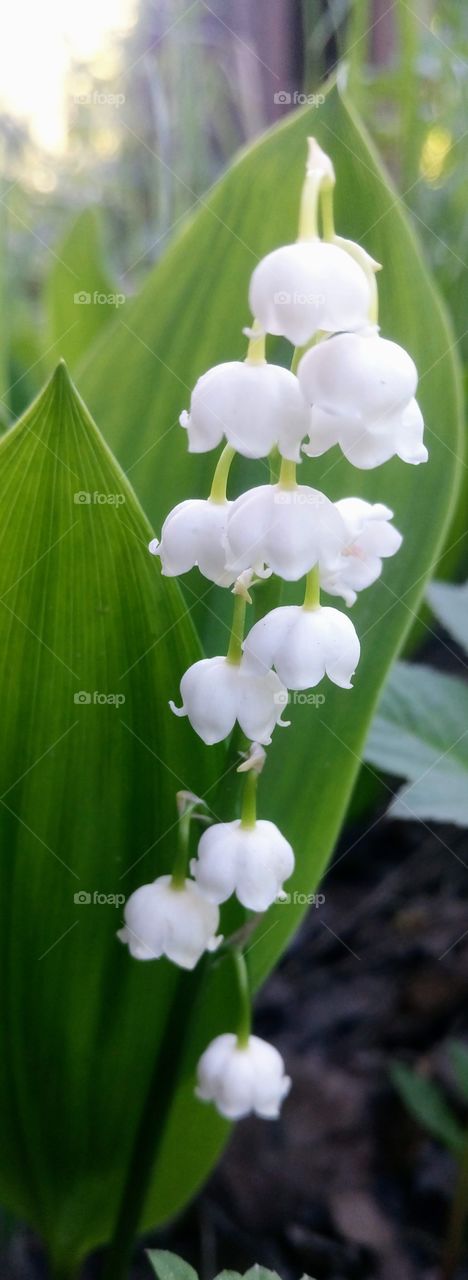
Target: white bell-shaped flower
251, 862
287, 529
304, 645
371, 538
311, 285
162, 919
193, 534
216, 692
240, 1079
362, 390
253, 404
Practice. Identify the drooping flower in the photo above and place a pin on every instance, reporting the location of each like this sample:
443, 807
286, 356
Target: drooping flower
289, 529
193, 534
304, 645
164, 919
371, 538
250, 861
253, 404
302, 288
216, 692
241, 1079
361, 388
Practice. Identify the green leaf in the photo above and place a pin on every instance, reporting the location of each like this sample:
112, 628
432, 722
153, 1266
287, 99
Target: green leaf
87, 807
188, 317
168, 1266
426, 1102
420, 733
449, 602
80, 295
459, 1058
260, 1273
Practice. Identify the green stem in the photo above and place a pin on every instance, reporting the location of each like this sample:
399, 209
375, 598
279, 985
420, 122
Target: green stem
249, 801
328, 221
256, 347
308, 214
152, 1126
457, 1220
179, 871
312, 589
234, 653
220, 478
244, 1024
287, 475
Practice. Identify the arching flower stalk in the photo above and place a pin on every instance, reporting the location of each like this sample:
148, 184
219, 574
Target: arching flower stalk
348, 387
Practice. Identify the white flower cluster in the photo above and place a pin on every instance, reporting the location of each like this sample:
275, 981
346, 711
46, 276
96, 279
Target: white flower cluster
353, 389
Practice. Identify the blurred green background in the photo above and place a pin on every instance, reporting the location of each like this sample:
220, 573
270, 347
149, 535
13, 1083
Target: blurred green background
140, 127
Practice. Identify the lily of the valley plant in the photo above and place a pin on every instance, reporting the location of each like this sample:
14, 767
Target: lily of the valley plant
347, 386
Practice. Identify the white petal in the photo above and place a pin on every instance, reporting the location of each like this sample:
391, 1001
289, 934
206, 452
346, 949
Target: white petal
255, 406
370, 375
193, 534
301, 288
242, 1079
410, 444
304, 644
288, 529
209, 693
260, 702
251, 862
177, 923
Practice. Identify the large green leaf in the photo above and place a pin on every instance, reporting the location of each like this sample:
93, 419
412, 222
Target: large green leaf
87, 806
80, 295
189, 316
